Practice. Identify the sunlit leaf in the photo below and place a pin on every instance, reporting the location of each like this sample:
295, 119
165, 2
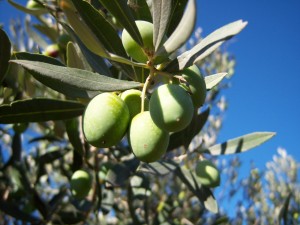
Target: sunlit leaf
206, 46
183, 31
240, 144
50, 32
161, 17
5, 48
101, 28
82, 30
22, 8
213, 80
95, 61
73, 58
121, 11
37, 38
39, 109
62, 78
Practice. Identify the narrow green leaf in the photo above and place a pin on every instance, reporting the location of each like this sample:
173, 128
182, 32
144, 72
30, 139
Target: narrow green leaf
121, 11
213, 80
161, 17
37, 58
240, 144
82, 30
101, 28
183, 31
61, 78
5, 53
95, 61
50, 32
14, 211
73, 58
104, 31
159, 168
178, 7
35, 12
39, 109
37, 38
204, 194
206, 46
140, 10
185, 137
72, 128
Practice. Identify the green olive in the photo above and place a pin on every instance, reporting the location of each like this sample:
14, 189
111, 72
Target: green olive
31, 4
81, 183
105, 120
63, 41
171, 107
196, 85
133, 100
208, 174
148, 142
144, 53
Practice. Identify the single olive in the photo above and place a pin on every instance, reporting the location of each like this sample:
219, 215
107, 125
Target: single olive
148, 142
171, 107
105, 120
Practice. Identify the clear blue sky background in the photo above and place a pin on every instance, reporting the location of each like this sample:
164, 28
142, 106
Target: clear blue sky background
265, 89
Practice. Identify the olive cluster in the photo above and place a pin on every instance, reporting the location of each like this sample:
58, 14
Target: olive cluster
171, 106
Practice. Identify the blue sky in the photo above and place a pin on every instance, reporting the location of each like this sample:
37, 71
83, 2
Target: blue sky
265, 88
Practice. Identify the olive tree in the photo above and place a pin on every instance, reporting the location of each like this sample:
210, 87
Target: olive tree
110, 112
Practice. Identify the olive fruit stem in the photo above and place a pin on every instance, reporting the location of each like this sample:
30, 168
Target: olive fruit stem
149, 78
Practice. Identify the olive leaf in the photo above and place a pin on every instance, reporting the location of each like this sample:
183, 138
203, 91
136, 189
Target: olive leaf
82, 30
206, 46
182, 32
5, 48
39, 109
161, 17
240, 144
35, 12
213, 80
63, 78
121, 11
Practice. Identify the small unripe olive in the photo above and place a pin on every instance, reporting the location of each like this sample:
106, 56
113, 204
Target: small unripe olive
105, 120
196, 85
31, 4
133, 100
208, 174
148, 142
171, 107
81, 183
52, 50
63, 41
134, 50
